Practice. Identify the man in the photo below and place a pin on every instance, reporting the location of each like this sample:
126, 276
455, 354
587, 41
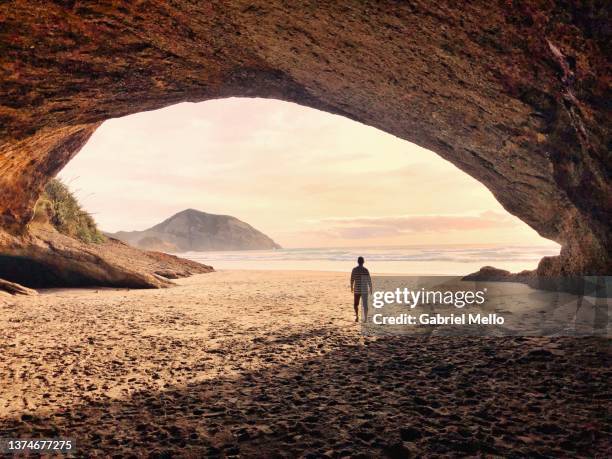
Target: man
360, 283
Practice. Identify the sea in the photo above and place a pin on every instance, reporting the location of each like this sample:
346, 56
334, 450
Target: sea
413, 260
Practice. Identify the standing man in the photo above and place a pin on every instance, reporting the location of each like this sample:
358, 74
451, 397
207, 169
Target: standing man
361, 282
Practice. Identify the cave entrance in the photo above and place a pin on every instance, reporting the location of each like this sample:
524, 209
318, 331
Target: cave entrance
306, 178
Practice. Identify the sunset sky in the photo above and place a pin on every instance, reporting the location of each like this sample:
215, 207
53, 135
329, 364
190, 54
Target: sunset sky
304, 177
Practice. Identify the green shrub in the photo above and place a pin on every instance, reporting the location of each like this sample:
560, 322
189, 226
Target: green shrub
58, 206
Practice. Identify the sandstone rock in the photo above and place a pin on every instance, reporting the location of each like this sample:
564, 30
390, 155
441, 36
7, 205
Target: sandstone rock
514, 93
42, 257
489, 273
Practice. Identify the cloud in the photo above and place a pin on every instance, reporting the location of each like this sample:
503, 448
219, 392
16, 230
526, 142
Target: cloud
366, 232
370, 227
282, 168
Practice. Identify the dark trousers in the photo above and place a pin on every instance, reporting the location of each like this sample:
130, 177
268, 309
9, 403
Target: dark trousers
364, 305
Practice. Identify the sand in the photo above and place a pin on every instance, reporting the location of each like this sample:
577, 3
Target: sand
271, 364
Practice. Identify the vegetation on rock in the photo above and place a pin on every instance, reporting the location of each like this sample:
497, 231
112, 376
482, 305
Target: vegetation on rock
59, 207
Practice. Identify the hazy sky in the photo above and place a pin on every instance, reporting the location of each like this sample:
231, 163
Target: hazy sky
304, 177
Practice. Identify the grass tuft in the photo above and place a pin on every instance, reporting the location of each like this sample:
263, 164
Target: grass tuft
58, 207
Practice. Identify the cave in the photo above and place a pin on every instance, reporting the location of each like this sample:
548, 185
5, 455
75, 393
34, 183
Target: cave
513, 93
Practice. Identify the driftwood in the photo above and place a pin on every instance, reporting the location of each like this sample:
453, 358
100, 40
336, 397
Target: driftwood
15, 289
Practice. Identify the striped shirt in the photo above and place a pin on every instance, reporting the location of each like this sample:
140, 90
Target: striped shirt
360, 280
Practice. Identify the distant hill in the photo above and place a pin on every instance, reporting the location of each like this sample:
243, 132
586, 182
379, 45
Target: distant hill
193, 230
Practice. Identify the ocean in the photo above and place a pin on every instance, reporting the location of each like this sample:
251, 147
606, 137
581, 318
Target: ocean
425, 260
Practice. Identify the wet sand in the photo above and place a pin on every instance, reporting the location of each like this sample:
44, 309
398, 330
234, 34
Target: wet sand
271, 364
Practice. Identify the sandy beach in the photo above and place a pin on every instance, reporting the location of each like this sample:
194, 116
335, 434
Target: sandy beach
271, 364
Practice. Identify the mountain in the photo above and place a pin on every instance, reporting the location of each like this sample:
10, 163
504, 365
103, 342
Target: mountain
193, 230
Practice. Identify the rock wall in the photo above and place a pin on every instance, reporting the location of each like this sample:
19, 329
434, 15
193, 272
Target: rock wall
514, 93
45, 258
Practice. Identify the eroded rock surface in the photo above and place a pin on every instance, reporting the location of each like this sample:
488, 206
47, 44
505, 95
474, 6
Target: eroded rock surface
489, 273
513, 93
45, 258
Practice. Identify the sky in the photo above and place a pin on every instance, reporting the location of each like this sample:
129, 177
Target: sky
304, 177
